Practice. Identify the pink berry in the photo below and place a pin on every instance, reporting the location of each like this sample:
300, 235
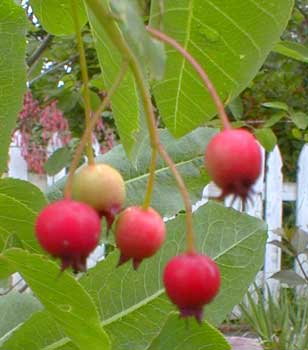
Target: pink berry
68, 230
139, 234
191, 281
233, 160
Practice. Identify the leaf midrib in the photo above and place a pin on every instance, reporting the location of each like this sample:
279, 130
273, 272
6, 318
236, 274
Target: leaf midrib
189, 20
162, 169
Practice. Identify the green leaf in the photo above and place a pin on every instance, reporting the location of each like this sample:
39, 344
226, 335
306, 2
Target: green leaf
228, 43
63, 297
276, 105
23, 191
56, 15
38, 332
150, 52
13, 24
58, 160
267, 138
237, 108
94, 100
275, 118
289, 277
176, 335
20, 203
187, 153
300, 119
293, 50
125, 101
235, 240
16, 308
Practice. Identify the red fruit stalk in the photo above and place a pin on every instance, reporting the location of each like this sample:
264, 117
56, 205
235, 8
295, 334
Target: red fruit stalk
139, 234
233, 159
102, 187
68, 230
191, 281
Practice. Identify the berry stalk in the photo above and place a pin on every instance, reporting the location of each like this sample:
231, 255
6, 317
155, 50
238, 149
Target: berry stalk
150, 184
190, 236
201, 72
103, 14
87, 133
85, 77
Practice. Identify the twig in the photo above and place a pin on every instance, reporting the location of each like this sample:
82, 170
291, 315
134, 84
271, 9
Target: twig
52, 69
39, 51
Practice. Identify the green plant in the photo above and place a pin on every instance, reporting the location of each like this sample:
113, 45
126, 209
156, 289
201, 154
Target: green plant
282, 324
107, 307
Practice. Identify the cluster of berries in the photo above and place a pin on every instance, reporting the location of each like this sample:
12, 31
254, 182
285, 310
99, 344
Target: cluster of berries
70, 229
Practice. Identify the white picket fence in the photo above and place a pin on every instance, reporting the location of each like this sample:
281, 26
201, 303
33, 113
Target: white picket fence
267, 200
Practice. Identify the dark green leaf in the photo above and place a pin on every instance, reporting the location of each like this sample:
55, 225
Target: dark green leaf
13, 25
56, 15
227, 40
236, 108
60, 159
293, 50
267, 138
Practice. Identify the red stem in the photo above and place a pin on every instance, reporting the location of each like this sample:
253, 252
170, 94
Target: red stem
206, 80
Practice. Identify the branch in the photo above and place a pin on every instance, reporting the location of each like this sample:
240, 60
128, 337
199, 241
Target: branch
39, 51
54, 68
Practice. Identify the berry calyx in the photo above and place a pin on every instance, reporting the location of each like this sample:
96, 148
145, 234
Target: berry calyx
139, 233
102, 187
233, 160
191, 281
68, 230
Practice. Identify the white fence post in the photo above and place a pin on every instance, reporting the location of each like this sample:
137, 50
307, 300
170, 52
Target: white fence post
18, 168
273, 217
302, 201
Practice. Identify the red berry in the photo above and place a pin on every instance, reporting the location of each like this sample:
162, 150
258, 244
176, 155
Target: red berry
139, 234
102, 187
233, 160
68, 230
191, 281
